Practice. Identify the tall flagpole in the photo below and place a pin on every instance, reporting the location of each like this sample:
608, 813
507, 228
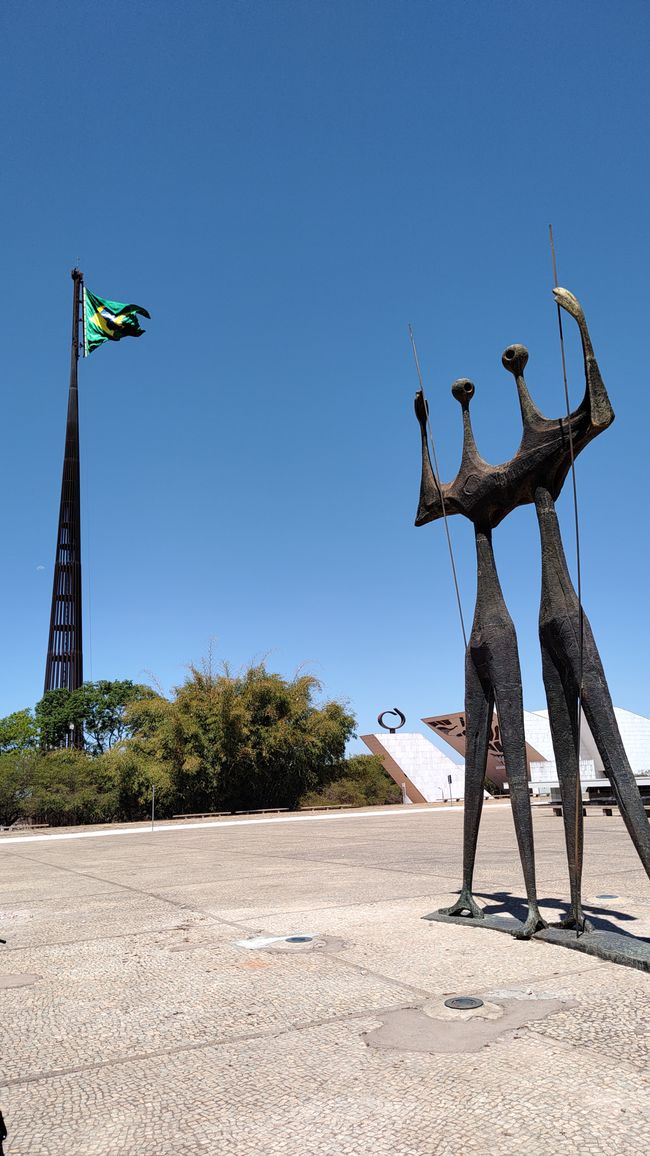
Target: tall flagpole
64, 665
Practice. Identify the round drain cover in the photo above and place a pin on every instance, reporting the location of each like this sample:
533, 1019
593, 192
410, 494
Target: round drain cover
298, 939
463, 1003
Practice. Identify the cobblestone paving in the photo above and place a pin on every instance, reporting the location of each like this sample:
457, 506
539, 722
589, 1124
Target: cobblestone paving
140, 1028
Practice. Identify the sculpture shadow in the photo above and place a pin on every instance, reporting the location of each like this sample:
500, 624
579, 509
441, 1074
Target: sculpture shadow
506, 903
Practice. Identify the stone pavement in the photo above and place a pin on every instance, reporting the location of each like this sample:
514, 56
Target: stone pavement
132, 1023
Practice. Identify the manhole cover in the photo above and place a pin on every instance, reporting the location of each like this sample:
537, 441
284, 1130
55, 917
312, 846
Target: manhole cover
260, 942
463, 1003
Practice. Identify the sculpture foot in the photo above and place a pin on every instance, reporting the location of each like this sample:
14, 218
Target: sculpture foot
465, 902
533, 923
578, 922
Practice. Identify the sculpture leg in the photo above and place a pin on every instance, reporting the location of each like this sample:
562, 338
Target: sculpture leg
562, 700
479, 705
599, 712
560, 627
513, 740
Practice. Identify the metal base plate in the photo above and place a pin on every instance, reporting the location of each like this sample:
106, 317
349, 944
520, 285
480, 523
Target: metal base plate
490, 922
607, 945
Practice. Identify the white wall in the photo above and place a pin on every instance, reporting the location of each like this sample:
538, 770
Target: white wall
410, 758
635, 733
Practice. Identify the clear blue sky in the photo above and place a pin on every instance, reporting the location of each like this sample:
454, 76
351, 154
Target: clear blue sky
285, 185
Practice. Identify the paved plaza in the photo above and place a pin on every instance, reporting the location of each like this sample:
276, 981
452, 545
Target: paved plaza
133, 1022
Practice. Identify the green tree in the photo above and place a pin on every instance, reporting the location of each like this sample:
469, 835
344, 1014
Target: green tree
238, 742
56, 714
17, 770
133, 775
69, 786
362, 781
63, 786
18, 731
104, 711
99, 708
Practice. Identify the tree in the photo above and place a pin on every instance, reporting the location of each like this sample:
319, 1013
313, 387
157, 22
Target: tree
16, 784
58, 712
246, 741
18, 731
69, 786
63, 786
362, 781
133, 775
97, 708
104, 706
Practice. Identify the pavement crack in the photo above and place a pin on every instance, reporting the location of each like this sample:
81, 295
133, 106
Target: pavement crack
361, 969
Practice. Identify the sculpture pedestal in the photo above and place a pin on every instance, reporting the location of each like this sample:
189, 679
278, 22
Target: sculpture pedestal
491, 922
607, 945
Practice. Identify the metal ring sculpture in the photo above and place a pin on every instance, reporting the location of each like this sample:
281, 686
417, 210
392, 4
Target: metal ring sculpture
388, 728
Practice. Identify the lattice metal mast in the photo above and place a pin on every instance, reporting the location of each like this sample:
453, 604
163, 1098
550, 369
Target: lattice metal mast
64, 666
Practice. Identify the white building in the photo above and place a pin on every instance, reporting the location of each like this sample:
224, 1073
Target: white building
421, 770
635, 733
427, 775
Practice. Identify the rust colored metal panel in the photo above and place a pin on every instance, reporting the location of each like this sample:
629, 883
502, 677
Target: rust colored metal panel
451, 728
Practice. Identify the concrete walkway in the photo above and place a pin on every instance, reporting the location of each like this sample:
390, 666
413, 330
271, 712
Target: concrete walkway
136, 1020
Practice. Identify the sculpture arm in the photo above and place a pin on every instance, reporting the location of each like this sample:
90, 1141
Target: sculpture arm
430, 506
596, 400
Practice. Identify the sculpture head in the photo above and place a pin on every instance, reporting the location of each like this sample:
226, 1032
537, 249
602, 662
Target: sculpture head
514, 358
463, 391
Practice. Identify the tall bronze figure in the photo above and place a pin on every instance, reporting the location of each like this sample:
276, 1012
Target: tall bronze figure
545, 451
492, 672
572, 667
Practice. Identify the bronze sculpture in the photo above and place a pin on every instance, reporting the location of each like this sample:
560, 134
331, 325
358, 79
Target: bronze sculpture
492, 672
572, 668
571, 664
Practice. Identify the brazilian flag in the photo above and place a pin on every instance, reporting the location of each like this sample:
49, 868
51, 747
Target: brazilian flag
109, 321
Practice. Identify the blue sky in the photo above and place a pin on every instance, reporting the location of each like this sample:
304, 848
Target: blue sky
285, 186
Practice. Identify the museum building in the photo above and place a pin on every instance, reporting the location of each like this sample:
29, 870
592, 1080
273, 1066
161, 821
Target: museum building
426, 774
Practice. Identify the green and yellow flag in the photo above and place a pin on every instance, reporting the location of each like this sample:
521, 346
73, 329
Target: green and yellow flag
109, 321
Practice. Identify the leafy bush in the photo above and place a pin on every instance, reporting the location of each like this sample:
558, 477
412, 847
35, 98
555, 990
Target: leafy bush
16, 785
132, 776
362, 782
240, 742
62, 787
222, 742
